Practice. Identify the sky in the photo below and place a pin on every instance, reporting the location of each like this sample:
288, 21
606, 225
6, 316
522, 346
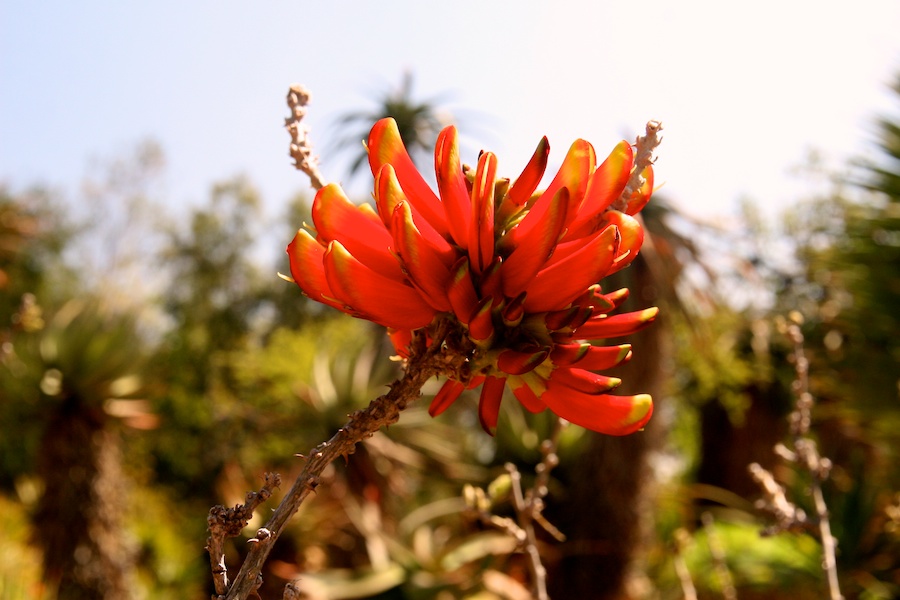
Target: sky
745, 91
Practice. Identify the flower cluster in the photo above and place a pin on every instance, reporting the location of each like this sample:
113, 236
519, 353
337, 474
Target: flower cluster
514, 271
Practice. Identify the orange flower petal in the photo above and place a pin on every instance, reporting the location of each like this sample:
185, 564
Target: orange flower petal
447, 395
491, 284
558, 285
535, 239
574, 174
522, 189
481, 325
632, 238
595, 300
618, 297
379, 298
605, 413
305, 255
422, 261
481, 231
515, 362
461, 292
567, 318
386, 147
400, 339
389, 194
583, 381
514, 311
489, 404
604, 187
361, 232
602, 326
641, 196
452, 186
592, 358
527, 398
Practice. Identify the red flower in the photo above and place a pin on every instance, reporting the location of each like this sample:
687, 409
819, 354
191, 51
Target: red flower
515, 270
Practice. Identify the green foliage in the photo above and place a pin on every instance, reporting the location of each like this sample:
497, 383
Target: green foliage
33, 235
785, 562
20, 573
167, 566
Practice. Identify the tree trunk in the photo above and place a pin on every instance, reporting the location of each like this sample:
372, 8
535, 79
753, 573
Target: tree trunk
607, 513
78, 523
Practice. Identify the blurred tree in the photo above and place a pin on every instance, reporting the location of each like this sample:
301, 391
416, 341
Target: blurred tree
33, 235
837, 262
213, 300
34, 232
119, 213
61, 386
852, 259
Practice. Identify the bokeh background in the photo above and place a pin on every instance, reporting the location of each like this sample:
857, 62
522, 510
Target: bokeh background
153, 364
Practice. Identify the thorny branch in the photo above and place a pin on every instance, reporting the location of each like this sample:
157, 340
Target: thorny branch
805, 454
224, 523
301, 147
425, 361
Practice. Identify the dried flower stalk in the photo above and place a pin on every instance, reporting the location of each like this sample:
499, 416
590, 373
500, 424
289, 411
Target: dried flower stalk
806, 456
298, 98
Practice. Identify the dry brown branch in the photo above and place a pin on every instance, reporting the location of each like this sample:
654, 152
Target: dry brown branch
301, 147
806, 456
787, 516
424, 363
644, 147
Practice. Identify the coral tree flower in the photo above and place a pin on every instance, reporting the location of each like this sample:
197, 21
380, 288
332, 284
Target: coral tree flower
513, 269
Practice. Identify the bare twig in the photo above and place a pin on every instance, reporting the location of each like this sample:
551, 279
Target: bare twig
425, 361
525, 517
645, 145
535, 498
301, 147
726, 583
808, 457
528, 506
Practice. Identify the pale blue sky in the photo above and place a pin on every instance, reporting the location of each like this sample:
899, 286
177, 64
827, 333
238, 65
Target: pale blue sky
743, 90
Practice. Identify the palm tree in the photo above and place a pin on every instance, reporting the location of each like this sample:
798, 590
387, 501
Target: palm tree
89, 360
419, 122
